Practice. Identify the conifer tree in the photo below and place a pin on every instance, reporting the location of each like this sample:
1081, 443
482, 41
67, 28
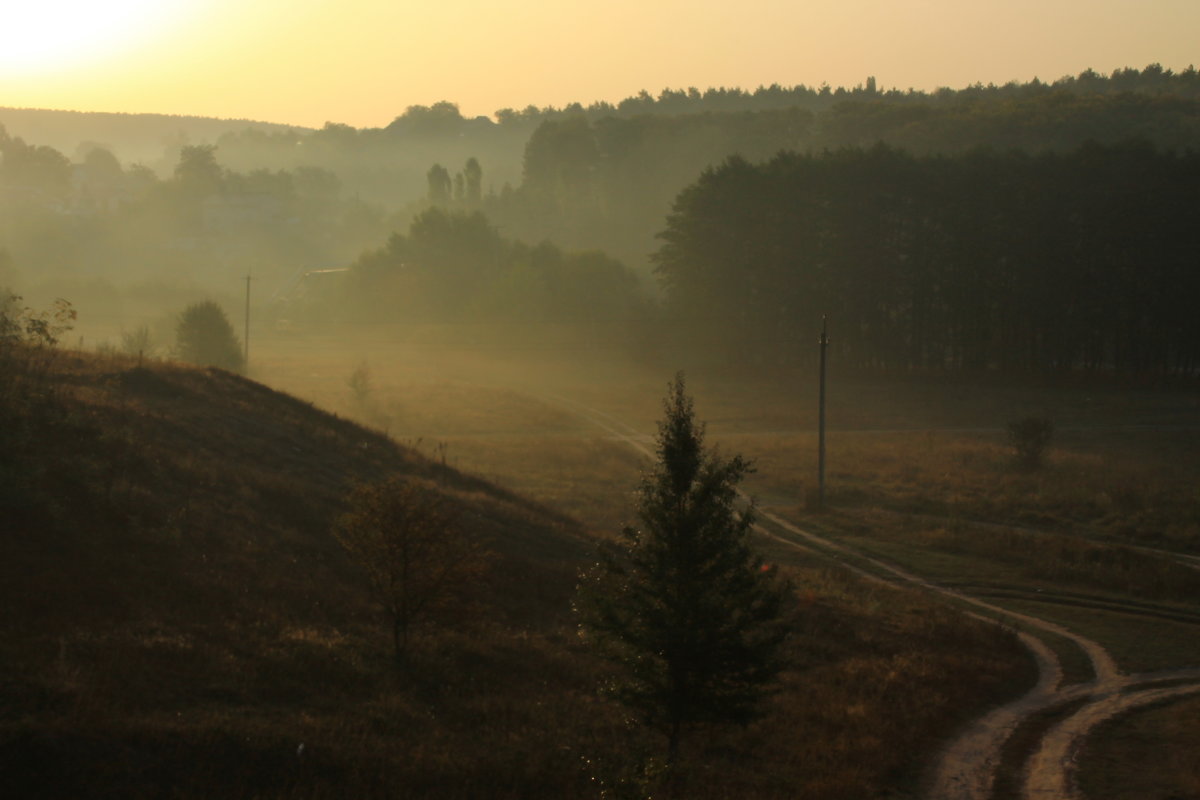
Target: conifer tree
691, 615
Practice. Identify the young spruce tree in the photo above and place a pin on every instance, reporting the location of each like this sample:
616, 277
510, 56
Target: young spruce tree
681, 603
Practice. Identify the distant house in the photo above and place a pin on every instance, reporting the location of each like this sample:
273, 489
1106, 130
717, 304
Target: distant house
301, 289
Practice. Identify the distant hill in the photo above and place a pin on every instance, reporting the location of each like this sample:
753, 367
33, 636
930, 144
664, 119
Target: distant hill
132, 137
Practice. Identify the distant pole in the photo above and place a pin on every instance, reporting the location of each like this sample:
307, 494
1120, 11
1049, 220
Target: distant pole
246, 330
824, 342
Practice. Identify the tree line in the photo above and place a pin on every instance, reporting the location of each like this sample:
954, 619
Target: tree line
591, 180
986, 260
1151, 80
102, 221
455, 266
603, 174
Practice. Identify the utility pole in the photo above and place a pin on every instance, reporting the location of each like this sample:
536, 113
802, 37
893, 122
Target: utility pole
824, 342
246, 329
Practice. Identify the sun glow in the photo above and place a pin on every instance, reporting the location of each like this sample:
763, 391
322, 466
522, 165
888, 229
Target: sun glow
52, 35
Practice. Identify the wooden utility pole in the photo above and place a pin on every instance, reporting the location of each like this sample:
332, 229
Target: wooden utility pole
246, 329
824, 342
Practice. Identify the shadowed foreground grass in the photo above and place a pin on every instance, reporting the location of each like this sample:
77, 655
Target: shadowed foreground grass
1151, 752
178, 621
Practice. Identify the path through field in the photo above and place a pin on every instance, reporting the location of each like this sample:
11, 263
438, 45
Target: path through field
966, 768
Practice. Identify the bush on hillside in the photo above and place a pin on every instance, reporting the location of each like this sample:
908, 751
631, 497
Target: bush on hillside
204, 336
1030, 437
419, 560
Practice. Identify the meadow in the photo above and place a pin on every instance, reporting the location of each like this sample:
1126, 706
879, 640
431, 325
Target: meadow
1102, 539
208, 625
180, 621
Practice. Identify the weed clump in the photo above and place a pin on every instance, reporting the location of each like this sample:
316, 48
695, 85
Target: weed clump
1030, 437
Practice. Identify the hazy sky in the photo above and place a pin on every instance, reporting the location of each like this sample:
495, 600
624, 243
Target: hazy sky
362, 62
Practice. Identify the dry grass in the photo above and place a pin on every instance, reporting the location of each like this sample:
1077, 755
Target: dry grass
1151, 752
991, 557
1109, 593
1112, 484
179, 620
913, 466
1137, 643
589, 478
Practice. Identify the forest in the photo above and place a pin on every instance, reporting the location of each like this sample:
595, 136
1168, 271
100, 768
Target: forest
1057, 262
1025, 227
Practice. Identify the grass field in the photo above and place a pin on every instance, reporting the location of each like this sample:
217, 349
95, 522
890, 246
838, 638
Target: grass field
1123, 469
212, 656
920, 473
179, 619
1164, 743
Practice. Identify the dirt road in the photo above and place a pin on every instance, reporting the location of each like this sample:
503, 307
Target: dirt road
966, 767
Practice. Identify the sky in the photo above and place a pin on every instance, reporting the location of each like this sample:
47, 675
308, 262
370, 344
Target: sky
363, 62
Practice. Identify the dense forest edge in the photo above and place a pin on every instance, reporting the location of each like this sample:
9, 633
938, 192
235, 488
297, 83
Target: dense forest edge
1077, 261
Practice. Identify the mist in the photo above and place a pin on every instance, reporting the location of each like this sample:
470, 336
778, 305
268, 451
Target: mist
258, 381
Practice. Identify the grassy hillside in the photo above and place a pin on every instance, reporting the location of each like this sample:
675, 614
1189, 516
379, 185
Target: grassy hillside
177, 621
175, 603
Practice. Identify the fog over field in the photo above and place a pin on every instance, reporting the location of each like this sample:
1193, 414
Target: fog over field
424, 401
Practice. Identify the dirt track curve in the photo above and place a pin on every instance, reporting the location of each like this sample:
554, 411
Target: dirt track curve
966, 768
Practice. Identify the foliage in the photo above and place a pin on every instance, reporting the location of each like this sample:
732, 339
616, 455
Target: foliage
417, 557
39, 328
605, 183
473, 176
691, 615
1029, 437
34, 173
204, 336
455, 265
198, 172
438, 178
10, 328
440, 119
1089, 85
1066, 261
602, 176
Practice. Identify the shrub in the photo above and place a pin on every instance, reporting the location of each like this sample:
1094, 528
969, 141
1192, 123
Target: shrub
138, 342
1030, 436
37, 328
360, 385
205, 337
9, 310
419, 561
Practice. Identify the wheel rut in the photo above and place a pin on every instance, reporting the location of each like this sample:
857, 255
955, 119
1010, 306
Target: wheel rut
966, 767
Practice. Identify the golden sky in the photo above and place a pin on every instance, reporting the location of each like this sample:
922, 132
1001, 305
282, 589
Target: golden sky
362, 62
